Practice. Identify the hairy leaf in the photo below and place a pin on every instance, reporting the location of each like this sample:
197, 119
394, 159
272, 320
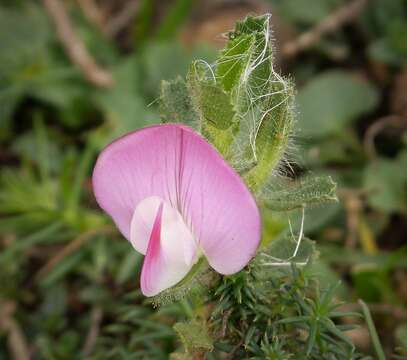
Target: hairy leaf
233, 60
175, 103
307, 192
215, 111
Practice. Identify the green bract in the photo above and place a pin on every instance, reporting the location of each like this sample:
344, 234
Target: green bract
246, 110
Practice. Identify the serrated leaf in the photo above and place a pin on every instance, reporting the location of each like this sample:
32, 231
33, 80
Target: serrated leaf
194, 335
175, 103
307, 192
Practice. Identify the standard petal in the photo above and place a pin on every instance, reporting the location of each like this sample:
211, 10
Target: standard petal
177, 165
171, 250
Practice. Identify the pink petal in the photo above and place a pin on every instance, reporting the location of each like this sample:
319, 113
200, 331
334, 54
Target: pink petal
171, 250
176, 165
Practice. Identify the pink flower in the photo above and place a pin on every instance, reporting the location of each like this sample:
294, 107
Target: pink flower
175, 199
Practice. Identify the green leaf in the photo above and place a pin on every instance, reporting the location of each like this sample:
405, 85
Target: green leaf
233, 60
143, 22
123, 105
23, 35
332, 100
307, 12
62, 269
372, 331
23, 38
401, 335
307, 192
174, 19
272, 129
175, 103
42, 236
195, 336
215, 111
284, 251
314, 329
262, 100
385, 182
167, 60
128, 267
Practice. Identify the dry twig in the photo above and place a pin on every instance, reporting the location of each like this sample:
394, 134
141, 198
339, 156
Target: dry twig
343, 15
398, 312
123, 18
17, 343
93, 13
353, 207
74, 47
71, 247
377, 127
96, 318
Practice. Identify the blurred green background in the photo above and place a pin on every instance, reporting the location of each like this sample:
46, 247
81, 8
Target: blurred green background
68, 281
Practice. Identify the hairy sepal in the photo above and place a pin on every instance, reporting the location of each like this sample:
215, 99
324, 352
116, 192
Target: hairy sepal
197, 281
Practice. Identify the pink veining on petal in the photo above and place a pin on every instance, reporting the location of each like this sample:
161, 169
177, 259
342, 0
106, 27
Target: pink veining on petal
170, 247
175, 164
151, 262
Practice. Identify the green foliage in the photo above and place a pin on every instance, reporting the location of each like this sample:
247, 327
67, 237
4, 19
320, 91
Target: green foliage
174, 19
194, 336
284, 251
244, 107
401, 336
303, 12
24, 35
234, 59
264, 102
307, 192
386, 184
331, 101
388, 45
213, 106
279, 317
124, 108
175, 103
281, 306
136, 333
372, 330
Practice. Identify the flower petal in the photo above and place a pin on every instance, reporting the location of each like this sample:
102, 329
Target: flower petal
175, 164
171, 250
